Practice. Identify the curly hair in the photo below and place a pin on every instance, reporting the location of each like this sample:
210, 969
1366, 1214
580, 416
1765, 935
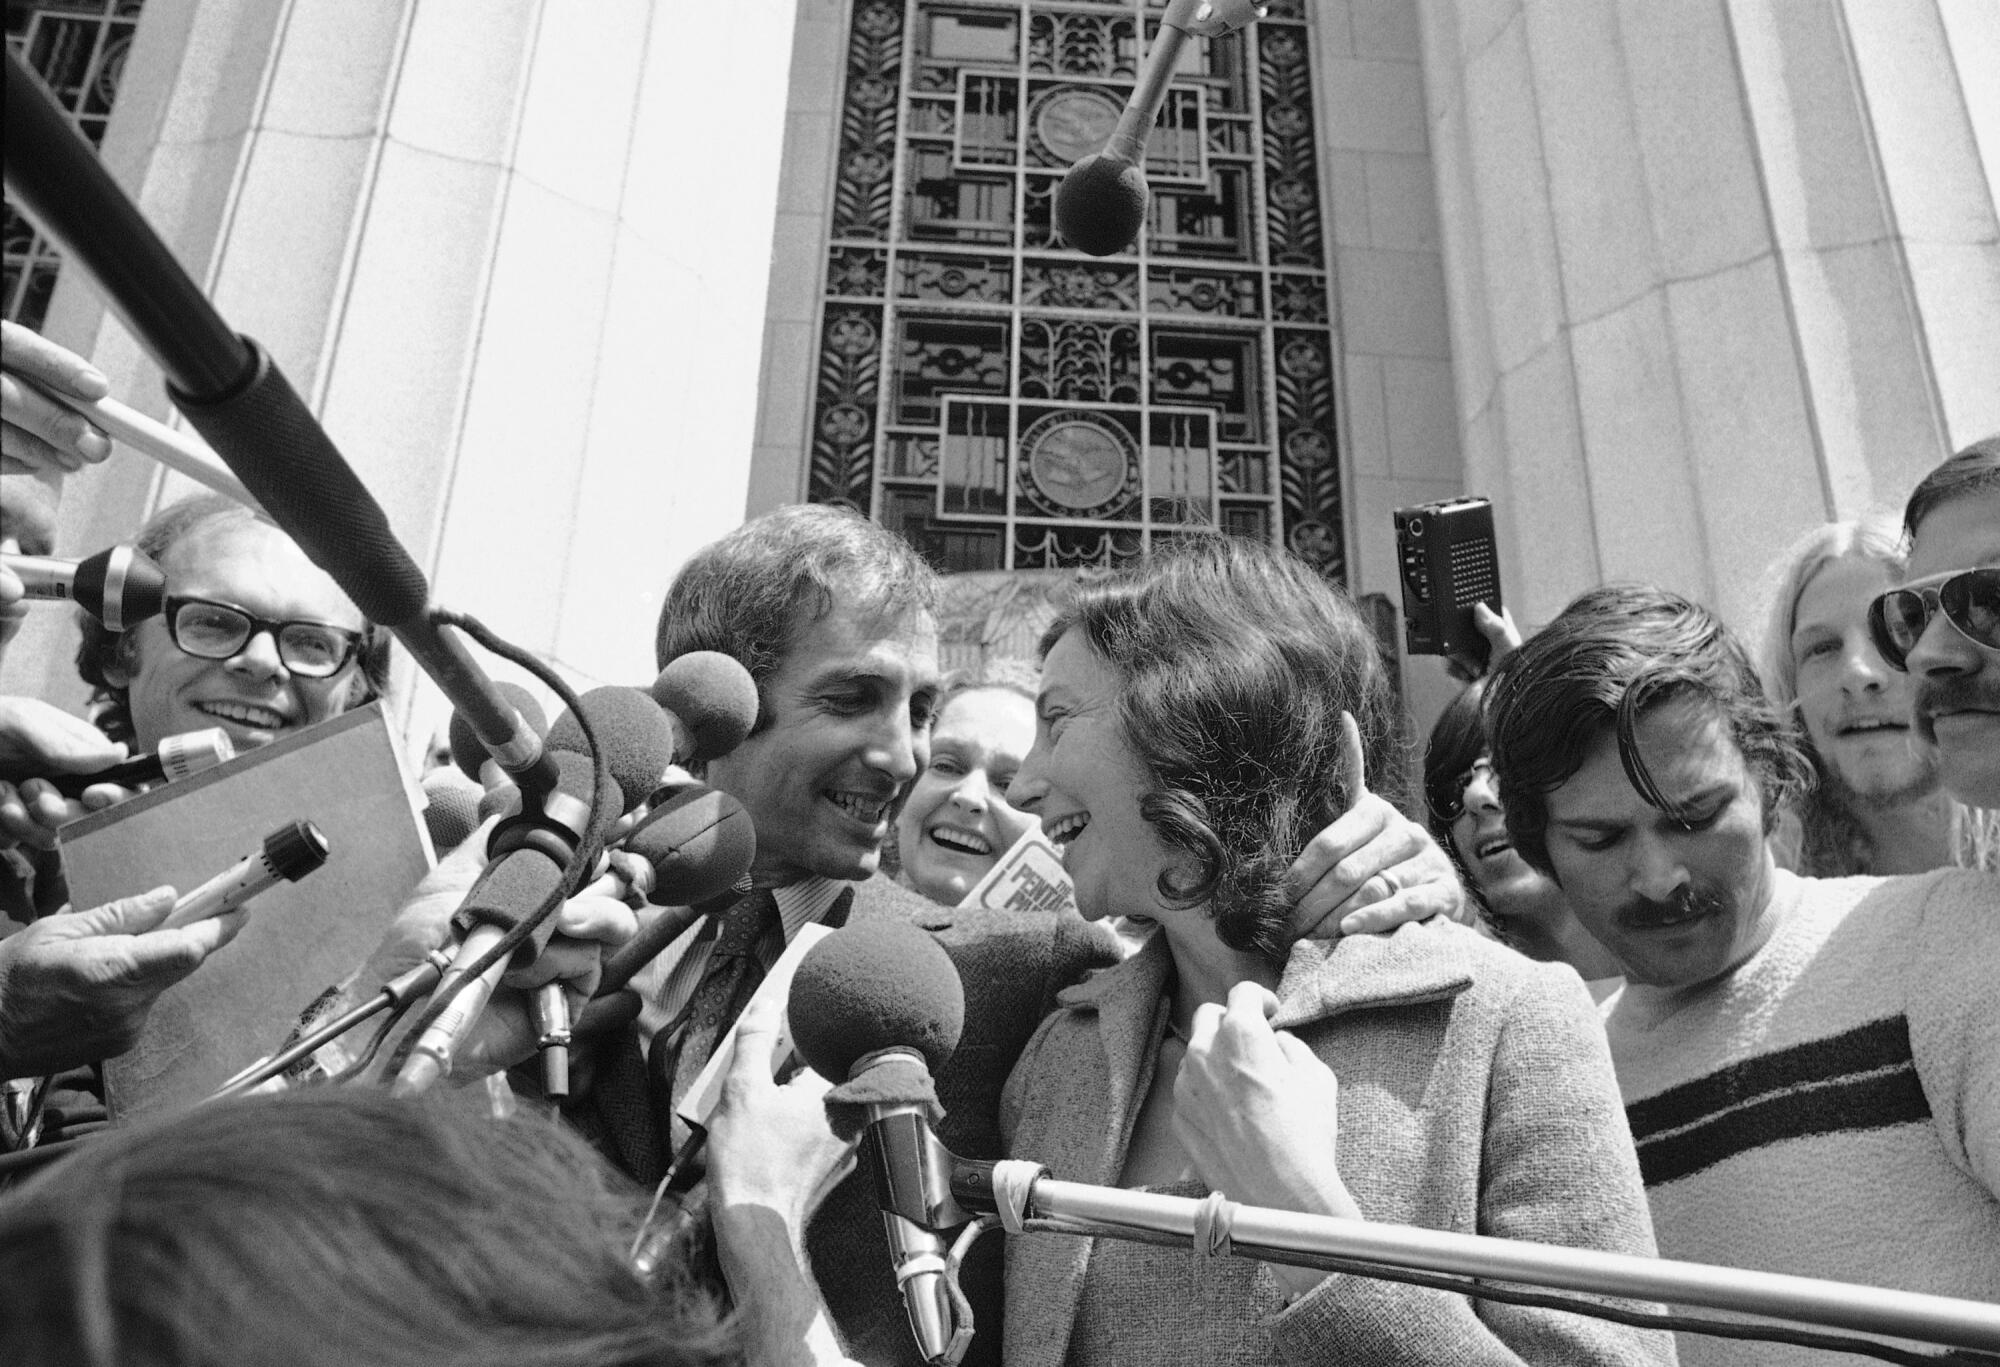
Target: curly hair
1614, 654
748, 593
1236, 662
102, 650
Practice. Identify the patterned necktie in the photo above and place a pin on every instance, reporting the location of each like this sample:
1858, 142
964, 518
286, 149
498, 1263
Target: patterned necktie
727, 982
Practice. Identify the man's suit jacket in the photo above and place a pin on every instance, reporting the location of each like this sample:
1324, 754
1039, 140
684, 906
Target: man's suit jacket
1012, 966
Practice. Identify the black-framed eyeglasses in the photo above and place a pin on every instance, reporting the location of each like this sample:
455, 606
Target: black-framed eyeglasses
209, 630
1970, 600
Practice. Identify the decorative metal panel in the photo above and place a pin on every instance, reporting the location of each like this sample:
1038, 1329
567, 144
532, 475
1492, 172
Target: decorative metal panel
1008, 403
78, 48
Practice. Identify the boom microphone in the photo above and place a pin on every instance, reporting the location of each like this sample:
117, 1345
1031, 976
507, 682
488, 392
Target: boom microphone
120, 586
875, 1007
1101, 203
178, 756
234, 395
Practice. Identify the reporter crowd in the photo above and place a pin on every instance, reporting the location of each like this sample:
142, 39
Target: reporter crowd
1665, 941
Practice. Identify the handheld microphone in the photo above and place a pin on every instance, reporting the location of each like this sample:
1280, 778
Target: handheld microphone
712, 702
120, 586
287, 855
451, 809
531, 853
1101, 204
700, 844
177, 758
875, 1007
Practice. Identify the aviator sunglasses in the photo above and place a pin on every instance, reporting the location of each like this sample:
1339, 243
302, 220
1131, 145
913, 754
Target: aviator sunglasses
1970, 600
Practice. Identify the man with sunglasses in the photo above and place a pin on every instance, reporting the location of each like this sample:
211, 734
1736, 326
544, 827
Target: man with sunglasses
1943, 624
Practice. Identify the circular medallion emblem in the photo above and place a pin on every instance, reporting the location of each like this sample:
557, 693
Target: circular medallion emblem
1074, 123
1081, 463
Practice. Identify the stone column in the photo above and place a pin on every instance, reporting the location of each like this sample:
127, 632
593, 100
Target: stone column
514, 253
1717, 271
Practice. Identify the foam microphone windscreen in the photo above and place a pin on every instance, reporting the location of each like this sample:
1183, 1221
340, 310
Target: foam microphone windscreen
637, 738
713, 699
873, 986
699, 842
451, 809
466, 751
1101, 204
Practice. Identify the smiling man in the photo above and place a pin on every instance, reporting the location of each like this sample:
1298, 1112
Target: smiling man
1943, 623
1811, 1067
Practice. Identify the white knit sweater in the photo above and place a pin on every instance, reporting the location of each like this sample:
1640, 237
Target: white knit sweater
1832, 1107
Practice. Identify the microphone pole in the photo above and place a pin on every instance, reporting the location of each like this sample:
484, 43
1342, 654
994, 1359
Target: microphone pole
1021, 1191
249, 413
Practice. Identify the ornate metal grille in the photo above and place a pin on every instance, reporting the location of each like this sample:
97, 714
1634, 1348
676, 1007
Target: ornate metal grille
78, 47
1007, 403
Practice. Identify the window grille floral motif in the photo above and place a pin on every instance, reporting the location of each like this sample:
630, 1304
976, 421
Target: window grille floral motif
1008, 403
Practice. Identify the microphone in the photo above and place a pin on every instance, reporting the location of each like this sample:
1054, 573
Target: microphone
120, 586
712, 701
875, 1007
178, 756
1101, 204
469, 754
451, 809
637, 738
699, 843
234, 395
530, 854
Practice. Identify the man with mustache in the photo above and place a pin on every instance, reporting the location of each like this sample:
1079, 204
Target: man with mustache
1943, 623
1811, 1067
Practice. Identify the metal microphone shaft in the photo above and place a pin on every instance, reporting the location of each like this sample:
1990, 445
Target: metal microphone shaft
1291, 1237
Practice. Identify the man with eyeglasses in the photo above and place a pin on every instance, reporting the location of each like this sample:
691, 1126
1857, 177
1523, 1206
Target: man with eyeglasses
1943, 624
1810, 1067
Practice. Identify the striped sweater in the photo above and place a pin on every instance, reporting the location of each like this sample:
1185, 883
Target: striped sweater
1832, 1107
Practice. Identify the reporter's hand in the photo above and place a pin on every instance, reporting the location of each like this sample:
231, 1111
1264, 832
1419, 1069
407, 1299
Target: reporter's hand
1259, 1115
36, 432
770, 1146
1503, 638
39, 738
505, 1033
32, 812
76, 987
1372, 870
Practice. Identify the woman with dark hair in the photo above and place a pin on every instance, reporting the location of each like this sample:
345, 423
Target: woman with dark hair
331, 1227
1522, 905
1199, 720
